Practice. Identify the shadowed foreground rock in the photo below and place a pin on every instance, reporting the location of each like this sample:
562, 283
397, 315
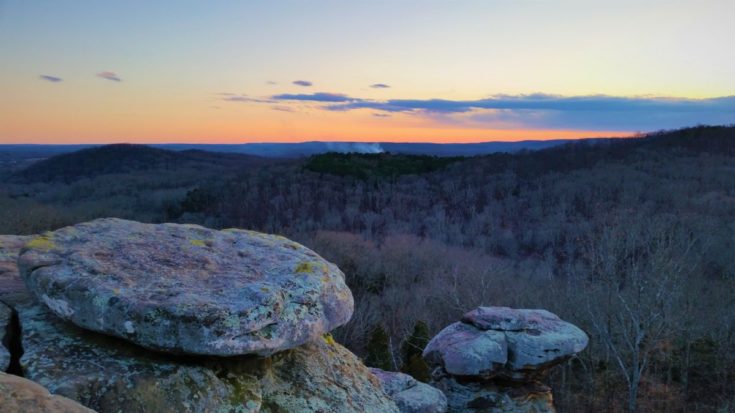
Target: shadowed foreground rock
411, 395
187, 289
5, 318
20, 395
491, 360
110, 375
10, 282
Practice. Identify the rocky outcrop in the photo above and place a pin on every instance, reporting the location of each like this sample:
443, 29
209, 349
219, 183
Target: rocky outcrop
20, 395
410, 395
6, 314
10, 282
187, 289
471, 395
110, 375
492, 359
194, 295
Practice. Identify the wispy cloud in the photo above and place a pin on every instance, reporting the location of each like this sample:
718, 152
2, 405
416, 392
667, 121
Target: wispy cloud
544, 111
379, 86
52, 79
235, 97
594, 103
109, 76
304, 83
316, 97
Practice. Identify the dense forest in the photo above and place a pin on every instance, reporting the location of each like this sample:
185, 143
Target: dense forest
630, 239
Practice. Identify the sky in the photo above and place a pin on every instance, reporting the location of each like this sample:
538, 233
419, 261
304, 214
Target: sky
399, 70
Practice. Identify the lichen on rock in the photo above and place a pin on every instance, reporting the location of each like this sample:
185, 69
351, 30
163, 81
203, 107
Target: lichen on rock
108, 374
187, 289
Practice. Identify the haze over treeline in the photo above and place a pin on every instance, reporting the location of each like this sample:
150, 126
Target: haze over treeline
629, 239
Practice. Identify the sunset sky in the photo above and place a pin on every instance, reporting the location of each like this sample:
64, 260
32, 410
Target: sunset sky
400, 70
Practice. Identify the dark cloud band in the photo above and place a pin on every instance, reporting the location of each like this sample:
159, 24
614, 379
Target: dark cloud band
595, 112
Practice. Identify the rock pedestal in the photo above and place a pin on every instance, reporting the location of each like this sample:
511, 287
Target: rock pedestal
194, 320
492, 359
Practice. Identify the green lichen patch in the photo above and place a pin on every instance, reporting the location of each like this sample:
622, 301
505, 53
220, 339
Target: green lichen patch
44, 243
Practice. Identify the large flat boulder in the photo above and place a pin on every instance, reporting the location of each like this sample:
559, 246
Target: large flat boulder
410, 395
186, 289
516, 344
20, 395
111, 375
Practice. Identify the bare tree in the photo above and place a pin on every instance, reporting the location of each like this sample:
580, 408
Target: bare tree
637, 267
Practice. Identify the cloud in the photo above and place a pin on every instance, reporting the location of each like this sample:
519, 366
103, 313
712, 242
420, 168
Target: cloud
317, 97
270, 82
381, 115
534, 111
52, 79
234, 97
596, 112
304, 83
109, 76
379, 86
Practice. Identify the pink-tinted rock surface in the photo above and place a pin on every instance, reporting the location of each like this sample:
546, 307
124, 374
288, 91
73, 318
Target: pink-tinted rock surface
187, 289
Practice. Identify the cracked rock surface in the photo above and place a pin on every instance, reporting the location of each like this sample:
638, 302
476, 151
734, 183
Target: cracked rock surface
11, 285
491, 360
6, 314
411, 395
515, 344
111, 375
186, 289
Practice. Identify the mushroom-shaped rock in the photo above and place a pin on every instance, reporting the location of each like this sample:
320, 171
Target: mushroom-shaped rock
20, 395
500, 341
410, 395
464, 350
185, 288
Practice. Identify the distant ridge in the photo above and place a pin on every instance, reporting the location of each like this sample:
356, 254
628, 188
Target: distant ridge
119, 158
303, 149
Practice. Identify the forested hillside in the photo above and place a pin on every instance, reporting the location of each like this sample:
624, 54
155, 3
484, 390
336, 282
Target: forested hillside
630, 239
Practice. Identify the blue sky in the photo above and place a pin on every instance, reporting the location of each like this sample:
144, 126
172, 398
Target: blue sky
82, 71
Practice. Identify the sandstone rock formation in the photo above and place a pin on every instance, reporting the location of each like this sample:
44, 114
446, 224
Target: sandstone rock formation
110, 375
491, 360
410, 395
187, 289
10, 281
20, 395
258, 293
5, 319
